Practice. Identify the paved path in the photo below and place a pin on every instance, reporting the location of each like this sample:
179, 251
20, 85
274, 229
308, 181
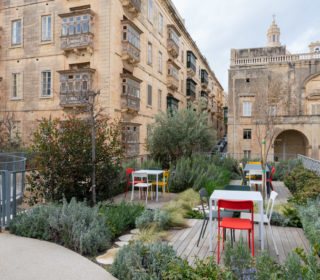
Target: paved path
30, 259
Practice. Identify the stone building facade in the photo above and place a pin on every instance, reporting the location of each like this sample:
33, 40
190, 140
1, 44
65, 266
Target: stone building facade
138, 53
296, 114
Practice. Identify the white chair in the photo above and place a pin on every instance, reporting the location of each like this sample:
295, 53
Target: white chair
266, 216
252, 181
145, 185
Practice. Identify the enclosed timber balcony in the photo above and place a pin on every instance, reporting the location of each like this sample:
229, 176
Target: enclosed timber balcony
204, 99
131, 138
191, 89
204, 79
77, 30
173, 41
173, 76
130, 42
130, 96
133, 6
191, 64
75, 86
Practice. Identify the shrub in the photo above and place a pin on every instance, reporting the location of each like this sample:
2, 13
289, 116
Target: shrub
158, 217
179, 133
310, 219
200, 171
63, 160
139, 261
74, 225
303, 184
284, 167
121, 217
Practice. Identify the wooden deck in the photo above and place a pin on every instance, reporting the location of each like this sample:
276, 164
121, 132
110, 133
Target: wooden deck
286, 238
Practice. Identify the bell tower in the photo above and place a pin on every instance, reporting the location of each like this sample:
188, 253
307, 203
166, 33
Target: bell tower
273, 35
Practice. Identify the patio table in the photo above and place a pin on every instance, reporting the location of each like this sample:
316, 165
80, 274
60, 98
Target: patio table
235, 195
155, 173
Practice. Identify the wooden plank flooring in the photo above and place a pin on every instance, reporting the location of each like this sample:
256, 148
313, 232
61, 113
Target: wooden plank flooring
287, 239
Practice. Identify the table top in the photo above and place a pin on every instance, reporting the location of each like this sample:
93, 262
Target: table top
254, 167
236, 195
150, 172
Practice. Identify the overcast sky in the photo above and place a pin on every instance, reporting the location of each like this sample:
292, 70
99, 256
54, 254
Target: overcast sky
220, 25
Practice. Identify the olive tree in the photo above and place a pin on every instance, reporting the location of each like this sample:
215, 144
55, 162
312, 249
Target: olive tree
179, 133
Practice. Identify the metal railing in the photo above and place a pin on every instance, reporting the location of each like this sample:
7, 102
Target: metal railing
12, 186
257, 156
310, 163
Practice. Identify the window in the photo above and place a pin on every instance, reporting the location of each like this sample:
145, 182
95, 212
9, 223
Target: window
46, 83
159, 99
182, 83
315, 109
182, 56
274, 38
160, 23
149, 53
150, 10
77, 25
149, 95
131, 35
16, 86
247, 134
46, 28
160, 62
16, 32
246, 109
247, 154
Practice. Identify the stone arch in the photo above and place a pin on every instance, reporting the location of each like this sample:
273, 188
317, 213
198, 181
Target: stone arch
289, 143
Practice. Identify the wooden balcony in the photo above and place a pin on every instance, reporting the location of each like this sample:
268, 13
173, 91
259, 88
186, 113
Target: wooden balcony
173, 48
130, 103
130, 95
172, 82
173, 41
133, 6
130, 53
132, 148
77, 41
75, 86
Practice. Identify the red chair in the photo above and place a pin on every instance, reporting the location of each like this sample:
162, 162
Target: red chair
270, 179
235, 223
128, 173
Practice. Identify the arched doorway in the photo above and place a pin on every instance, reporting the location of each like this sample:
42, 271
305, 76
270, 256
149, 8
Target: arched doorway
289, 143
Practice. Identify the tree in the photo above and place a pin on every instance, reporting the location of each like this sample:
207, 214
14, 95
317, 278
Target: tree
9, 137
179, 133
63, 159
270, 96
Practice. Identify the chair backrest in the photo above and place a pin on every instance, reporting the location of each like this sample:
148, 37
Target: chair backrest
128, 172
254, 162
204, 198
139, 175
166, 176
235, 205
237, 188
271, 175
270, 205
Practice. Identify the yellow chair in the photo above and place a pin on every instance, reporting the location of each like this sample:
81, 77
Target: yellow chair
164, 183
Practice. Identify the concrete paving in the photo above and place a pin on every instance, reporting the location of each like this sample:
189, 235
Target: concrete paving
29, 259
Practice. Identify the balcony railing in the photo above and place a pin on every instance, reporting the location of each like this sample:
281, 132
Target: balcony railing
75, 86
130, 102
173, 48
172, 82
130, 53
77, 41
134, 6
191, 69
275, 59
132, 148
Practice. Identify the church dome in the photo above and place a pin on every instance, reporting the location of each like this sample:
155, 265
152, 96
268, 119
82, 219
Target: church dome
273, 35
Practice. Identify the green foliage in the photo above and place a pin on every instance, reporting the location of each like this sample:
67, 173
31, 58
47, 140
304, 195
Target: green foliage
143, 262
194, 214
200, 171
158, 217
179, 133
63, 160
74, 225
303, 184
310, 219
121, 217
284, 167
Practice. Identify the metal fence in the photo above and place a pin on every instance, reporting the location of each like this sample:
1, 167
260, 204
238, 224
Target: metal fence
257, 156
12, 186
310, 163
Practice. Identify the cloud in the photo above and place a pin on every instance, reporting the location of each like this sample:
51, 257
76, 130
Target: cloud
220, 25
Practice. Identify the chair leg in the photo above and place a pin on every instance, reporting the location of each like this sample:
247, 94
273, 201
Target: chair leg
205, 227
201, 232
252, 243
223, 238
125, 195
274, 243
249, 239
164, 193
147, 195
132, 193
218, 245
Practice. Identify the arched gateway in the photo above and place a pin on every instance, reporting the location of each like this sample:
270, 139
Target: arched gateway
289, 143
